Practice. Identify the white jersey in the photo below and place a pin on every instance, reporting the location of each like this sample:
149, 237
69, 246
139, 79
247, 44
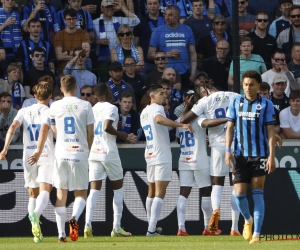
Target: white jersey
104, 145
32, 119
215, 106
193, 154
158, 150
71, 117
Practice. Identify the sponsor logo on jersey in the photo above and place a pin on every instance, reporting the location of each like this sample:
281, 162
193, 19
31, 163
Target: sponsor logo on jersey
145, 116
70, 107
70, 160
187, 153
222, 98
34, 113
248, 115
187, 160
150, 146
99, 151
150, 155
71, 140
74, 148
97, 112
35, 146
174, 35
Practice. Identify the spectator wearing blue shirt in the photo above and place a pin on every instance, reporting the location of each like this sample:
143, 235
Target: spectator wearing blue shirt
23, 56
177, 40
76, 67
253, 117
84, 19
10, 31
45, 13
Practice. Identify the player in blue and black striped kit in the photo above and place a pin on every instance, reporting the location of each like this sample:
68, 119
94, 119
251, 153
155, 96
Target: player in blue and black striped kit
253, 117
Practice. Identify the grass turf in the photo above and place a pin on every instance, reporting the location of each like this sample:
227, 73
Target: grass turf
140, 243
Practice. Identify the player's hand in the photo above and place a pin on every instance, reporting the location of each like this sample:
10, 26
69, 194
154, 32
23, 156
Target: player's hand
278, 140
10, 21
189, 100
229, 159
270, 166
34, 158
3, 155
175, 53
132, 138
188, 127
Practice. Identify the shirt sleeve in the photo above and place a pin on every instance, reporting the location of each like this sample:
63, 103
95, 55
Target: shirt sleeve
270, 116
231, 112
154, 40
45, 117
199, 107
201, 118
130, 21
90, 115
24, 14
284, 119
111, 113
89, 22
52, 115
55, 19
159, 110
20, 116
272, 29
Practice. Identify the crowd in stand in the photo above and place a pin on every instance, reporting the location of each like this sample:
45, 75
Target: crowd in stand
131, 44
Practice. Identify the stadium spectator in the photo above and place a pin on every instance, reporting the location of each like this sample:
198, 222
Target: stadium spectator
161, 61
254, 150
77, 68
105, 29
167, 86
92, 6
65, 41
15, 87
246, 20
290, 118
270, 7
217, 67
170, 75
84, 19
248, 61
263, 43
4, 87
44, 12
186, 9
58, 95
287, 37
294, 64
7, 115
117, 85
200, 24
207, 45
129, 119
181, 55
24, 53
2, 57
280, 67
282, 22
142, 32
179, 109
31, 78
86, 93
138, 82
10, 31
159, 168
278, 96
125, 48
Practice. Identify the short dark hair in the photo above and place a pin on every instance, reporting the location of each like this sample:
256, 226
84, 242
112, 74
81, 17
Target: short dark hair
125, 95
175, 8
153, 88
126, 57
86, 86
38, 49
297, 44
277, 51
295, 94
33, 20
264, 86
4, 94
70, 12
252, 74
101, 89
196, 1
165, 81
246, 39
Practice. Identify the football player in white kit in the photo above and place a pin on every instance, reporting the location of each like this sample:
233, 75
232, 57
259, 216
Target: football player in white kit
72, 122
214, 105
104, 159
157, 153
193, 166
38, 178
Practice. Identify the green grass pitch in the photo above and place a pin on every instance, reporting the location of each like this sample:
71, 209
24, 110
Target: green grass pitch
140, 243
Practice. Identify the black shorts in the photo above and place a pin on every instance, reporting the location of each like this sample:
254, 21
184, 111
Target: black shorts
247, 168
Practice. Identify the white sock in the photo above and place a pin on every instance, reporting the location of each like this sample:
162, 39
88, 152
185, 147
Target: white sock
60, 213
216, 195
31, 205
255, 235
41, 202
181, 208
207, 210
149, 202
78, 207
90, 206
155, 213
118, 208
235, 213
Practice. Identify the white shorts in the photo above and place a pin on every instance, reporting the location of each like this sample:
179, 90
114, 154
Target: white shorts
71, 175
218, 166
188, 178
162, 172
99, 169
33, 175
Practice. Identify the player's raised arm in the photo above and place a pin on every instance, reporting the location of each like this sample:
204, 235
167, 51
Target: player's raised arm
159, 119
8, 138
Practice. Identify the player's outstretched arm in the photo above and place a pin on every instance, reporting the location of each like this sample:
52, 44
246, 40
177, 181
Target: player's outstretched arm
159, 119
271, 159
229, 159
8, 138
209, 123
34, 158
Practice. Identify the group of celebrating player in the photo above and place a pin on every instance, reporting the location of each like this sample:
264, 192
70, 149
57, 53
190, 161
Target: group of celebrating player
86, 151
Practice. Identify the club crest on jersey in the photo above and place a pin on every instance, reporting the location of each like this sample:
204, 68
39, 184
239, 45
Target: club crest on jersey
70, 107
34, 113
258, 107
145, 116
